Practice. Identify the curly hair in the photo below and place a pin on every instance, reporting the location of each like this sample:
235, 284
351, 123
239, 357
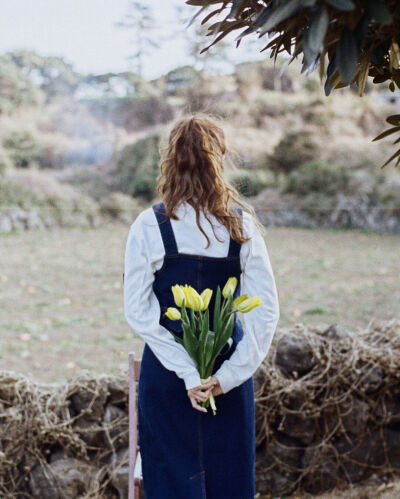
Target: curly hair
192, 170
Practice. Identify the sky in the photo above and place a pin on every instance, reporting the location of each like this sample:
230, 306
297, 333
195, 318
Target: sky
84, 32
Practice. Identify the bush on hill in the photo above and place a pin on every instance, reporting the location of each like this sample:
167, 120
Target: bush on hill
138, 167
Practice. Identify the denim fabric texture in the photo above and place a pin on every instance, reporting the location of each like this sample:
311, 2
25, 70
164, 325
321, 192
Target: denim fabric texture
188, 454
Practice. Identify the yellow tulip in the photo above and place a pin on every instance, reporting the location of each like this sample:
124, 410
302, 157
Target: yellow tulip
206, 297
179, 295
185, 291
195, 300
239, 300
248, 304
173, 314
229, 287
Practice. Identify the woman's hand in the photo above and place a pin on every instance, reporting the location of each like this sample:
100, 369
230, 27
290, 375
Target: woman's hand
201, 393
217, 390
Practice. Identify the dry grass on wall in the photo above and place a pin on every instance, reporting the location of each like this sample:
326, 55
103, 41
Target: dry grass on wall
327, 415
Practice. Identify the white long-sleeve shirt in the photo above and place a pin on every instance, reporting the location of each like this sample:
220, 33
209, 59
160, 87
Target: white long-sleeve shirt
144, 255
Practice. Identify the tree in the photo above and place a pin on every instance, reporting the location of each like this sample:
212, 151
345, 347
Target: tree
194, 34
16, 88
52, 74
139, 19
358, 39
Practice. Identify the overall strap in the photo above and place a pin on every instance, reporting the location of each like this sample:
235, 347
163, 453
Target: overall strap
234, 246
164, 224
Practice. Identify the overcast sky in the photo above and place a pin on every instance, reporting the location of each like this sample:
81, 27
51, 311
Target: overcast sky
85, 34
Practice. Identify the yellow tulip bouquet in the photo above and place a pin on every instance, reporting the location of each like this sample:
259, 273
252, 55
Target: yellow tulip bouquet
202, 344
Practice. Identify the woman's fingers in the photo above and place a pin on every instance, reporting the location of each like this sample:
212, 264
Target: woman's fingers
206, 386
201, 394
196, 406
217, 391
210, 383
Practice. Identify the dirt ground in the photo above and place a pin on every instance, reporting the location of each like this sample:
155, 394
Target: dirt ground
62, 293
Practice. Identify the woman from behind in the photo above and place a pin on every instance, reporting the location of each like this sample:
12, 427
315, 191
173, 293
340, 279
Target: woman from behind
201, 233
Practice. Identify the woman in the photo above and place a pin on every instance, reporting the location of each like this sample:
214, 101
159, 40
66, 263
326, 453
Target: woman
197, 236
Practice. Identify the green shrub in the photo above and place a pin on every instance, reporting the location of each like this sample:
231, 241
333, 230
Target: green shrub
317, 177
119, 205
388, 192
250, 183
144, 185
15, 194
5, 161
138, 167
292, 151
22, 148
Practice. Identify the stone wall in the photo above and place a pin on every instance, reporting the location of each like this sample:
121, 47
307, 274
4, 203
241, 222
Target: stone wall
327, 414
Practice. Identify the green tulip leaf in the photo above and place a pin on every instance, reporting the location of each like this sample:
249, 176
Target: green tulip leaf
217, 306
205, 326
185, 318
225, 335
190, 342
209, 345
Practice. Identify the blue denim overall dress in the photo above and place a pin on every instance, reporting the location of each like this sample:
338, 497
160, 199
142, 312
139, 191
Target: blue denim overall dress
188, 454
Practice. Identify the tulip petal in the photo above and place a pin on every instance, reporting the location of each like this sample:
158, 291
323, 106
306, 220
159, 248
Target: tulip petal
229, 287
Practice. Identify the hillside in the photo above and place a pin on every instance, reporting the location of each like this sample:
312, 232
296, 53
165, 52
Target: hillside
300, 155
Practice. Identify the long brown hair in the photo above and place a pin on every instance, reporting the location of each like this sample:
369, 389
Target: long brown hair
192, 170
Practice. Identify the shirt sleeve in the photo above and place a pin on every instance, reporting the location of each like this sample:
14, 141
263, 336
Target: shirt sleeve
261, 322
142, 309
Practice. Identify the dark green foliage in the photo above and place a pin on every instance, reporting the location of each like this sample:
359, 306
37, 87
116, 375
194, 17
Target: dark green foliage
138, 166
347, 41
294, 149
22, 148
250, 183
347, 56
315, 34
317, 177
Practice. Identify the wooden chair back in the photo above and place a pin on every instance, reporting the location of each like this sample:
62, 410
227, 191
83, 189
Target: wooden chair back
135, 470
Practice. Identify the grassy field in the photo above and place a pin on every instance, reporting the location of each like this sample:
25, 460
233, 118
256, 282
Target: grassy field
62, 302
